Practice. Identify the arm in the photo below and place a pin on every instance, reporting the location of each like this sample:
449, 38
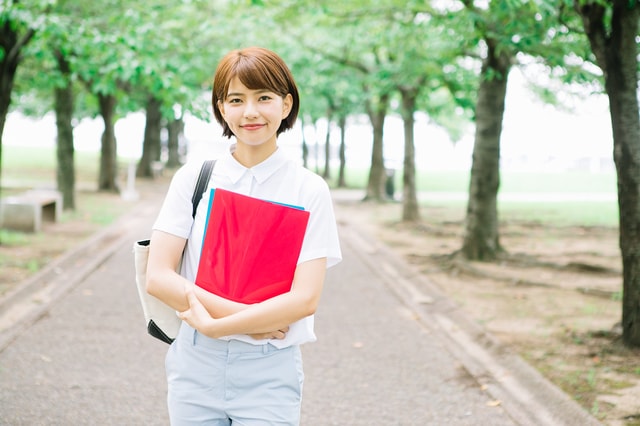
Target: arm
272, 314
166, 284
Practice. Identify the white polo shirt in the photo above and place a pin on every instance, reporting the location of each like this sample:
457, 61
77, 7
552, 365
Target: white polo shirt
276, 179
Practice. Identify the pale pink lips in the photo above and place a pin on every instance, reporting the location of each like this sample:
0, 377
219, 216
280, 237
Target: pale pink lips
253, 126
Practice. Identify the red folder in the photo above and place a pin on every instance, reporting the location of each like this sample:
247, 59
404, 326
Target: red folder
250, 248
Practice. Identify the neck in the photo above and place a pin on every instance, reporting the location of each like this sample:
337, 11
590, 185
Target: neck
249, 155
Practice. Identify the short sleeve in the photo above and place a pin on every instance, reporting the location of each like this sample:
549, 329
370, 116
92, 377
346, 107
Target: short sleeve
175, 214
321, 238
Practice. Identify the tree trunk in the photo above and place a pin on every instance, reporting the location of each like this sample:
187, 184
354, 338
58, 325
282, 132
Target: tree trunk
316, 148
65, 170
107, 179
410, 208
7, 76
481, 238
305, 145
375, 185
175, 129
151, 143
616, 52
11, 44
327, 148
342, 123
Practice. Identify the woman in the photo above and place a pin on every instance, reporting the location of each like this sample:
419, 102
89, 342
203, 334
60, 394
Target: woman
231, 362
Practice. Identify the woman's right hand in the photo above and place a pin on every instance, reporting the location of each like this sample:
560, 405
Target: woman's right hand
277, 334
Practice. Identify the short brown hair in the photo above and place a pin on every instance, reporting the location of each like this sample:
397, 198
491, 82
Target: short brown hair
257, 68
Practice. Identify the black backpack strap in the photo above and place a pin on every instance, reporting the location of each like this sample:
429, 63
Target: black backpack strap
201, 184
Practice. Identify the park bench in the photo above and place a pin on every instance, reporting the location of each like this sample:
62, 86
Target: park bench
26, 211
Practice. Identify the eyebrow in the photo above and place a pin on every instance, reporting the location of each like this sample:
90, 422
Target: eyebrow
243, 94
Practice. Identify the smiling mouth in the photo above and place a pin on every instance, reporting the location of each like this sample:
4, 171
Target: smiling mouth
252, 126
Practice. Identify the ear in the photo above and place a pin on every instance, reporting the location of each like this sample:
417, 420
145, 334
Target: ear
221, 109
287, 104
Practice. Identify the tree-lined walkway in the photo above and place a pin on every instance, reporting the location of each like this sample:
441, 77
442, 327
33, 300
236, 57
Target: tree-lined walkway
88, 360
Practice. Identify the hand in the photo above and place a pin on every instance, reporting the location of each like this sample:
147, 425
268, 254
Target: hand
197, 315
277, 334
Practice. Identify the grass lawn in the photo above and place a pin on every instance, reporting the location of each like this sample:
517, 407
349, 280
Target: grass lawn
22, 254
555, 210
26, 167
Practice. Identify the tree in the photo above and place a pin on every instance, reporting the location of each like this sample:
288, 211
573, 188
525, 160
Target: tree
108, 174
331, 33
410, 208
63, 105
419, 63
175, 129
48, 72
57, 40
329, 88
170, 71
151, 143
612, 30
394, 48
342, 125
18, 26
141, 52
505, 31
326, 173
481, 237
413, 59
377, 108
102, 63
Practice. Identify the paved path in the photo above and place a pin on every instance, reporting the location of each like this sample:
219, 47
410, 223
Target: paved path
375, 364
391, 351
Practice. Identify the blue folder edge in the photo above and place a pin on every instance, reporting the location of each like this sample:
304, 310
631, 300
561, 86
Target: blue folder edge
212, 194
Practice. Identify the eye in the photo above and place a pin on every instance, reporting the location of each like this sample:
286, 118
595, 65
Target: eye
234, 100
265, 98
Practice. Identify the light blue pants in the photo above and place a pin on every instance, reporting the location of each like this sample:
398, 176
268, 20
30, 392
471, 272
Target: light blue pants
215, 382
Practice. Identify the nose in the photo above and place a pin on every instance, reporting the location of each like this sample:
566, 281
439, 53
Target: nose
250, 110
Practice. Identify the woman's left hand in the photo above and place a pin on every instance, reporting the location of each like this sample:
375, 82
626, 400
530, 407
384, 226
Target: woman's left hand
197, 315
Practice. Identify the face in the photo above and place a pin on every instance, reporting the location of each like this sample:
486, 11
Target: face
254, 116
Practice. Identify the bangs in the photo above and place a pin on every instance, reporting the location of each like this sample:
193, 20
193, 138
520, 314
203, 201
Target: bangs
257, 74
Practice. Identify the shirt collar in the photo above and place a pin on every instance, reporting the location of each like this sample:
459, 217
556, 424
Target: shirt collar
261, 172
